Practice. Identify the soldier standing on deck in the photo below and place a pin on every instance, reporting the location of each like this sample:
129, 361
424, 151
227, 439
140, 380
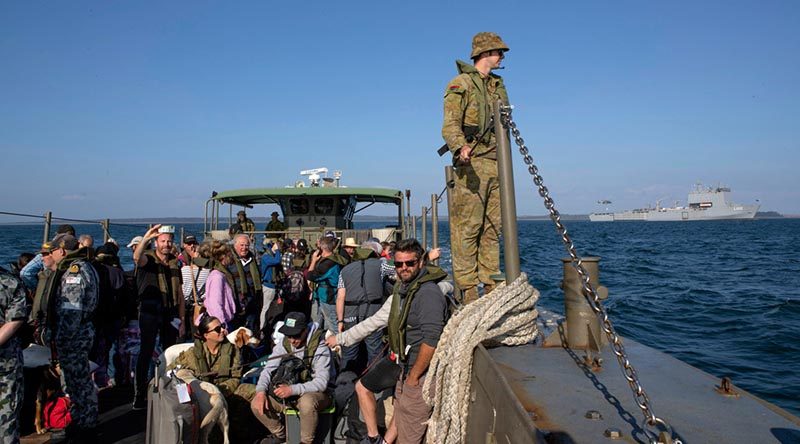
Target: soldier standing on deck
468, 131
13, 312
73, 289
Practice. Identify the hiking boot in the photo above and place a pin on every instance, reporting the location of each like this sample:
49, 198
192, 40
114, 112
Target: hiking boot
469, 295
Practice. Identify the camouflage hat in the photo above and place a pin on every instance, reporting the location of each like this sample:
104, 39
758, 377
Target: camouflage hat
486, 41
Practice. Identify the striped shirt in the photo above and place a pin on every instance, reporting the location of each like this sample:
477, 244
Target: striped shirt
188, 277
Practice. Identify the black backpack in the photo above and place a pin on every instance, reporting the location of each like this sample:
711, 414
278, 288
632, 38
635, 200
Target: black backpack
289, 372
294, 287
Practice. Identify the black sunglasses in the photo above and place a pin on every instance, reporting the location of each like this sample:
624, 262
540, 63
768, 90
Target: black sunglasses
216, 329
409, 264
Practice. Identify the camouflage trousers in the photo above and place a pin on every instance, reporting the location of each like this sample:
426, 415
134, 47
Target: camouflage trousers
475, 223
11, 391
73, 342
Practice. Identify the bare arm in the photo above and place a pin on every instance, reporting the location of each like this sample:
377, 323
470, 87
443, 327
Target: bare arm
340, 296
138, 255
421, 365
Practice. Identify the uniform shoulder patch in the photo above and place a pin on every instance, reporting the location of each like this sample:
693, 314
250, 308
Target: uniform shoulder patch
453, 87
74, 268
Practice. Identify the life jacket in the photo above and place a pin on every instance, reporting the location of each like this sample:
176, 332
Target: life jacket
43, 309
227, 353
362, 278
483, 91
241, 278
398, 314
312, 343
169, 280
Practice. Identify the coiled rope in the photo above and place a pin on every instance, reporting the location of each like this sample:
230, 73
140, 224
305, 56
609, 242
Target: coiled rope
506, 316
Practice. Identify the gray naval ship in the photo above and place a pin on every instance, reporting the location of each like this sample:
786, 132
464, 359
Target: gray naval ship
704, 203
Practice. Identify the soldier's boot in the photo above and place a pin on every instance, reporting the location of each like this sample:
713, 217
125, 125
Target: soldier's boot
469, 295
487, 288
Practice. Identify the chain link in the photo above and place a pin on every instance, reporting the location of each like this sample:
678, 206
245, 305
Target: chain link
640, 397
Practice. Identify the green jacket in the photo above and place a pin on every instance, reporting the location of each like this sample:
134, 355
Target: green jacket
223, 370
468, 101
398, 315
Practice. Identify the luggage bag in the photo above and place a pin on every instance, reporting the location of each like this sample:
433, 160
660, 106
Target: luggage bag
169, 420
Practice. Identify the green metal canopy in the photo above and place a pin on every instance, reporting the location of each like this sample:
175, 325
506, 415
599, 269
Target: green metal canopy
255, 196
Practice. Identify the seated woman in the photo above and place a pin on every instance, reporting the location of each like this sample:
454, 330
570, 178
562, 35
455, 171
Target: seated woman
219, 300
213, 359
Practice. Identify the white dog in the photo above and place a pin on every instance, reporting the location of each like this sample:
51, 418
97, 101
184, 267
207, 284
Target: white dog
213, 407
212, 404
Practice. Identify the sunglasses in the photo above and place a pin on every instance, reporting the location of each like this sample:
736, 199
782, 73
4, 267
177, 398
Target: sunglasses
409, 264
216, 329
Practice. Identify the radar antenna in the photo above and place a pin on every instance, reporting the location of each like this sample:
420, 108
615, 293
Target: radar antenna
314, 175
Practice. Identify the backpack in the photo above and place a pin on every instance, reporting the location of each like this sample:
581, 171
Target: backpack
289, 371
294, 287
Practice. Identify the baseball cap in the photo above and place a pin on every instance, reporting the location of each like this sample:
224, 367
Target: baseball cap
294, 324
63, 240
135, 241
330, 234
189, 239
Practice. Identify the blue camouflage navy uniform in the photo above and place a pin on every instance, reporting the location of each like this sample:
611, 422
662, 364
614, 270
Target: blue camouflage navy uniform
13, 307
76, 299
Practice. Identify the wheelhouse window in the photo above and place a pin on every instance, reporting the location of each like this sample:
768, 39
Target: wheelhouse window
298, 205
323, 206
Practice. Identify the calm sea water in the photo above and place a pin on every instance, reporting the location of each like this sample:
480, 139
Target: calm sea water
723, 295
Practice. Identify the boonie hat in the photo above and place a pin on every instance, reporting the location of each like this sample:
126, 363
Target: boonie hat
486, 41
350, 242
294, 324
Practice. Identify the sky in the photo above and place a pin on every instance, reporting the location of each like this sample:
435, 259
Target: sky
142, 109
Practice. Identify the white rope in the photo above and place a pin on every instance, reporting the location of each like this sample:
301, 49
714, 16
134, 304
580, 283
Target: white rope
505, 316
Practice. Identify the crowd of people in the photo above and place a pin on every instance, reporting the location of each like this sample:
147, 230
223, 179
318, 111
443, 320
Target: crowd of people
300, 301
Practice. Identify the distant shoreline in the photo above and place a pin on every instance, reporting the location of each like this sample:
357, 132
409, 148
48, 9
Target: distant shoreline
262, 220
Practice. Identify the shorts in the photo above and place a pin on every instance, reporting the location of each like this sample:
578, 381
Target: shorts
381, 376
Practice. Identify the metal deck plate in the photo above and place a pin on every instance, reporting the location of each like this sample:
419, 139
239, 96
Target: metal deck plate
553, 384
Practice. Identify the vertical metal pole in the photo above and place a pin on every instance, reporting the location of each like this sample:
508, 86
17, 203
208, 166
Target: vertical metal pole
106, 234
424, 228
48, 218
508, 205
434, 222
409, 220
414, 227
180, 241
450, 183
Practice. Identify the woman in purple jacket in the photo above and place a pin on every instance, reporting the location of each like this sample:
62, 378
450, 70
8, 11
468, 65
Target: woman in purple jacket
219, 300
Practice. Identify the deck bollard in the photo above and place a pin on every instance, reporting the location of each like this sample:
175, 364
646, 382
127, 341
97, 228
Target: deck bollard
583, 325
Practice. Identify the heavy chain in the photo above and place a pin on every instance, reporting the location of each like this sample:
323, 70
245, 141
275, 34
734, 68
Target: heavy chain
640, 397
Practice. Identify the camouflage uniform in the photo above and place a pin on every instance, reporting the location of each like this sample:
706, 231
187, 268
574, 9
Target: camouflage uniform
13, 307
468, 101
76, 299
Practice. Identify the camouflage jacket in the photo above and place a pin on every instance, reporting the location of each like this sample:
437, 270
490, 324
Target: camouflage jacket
468, 101
13, 307
77, 295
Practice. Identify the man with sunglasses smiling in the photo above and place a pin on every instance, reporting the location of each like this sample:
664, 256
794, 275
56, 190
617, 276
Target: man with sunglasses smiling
309, 396
416, 321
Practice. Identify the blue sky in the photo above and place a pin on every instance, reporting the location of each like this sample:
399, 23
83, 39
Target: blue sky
111, 109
